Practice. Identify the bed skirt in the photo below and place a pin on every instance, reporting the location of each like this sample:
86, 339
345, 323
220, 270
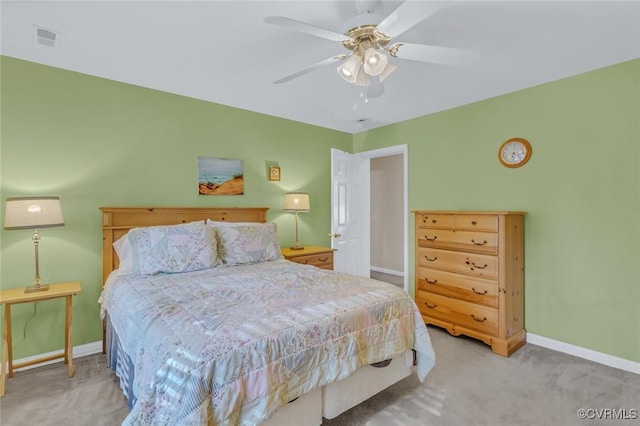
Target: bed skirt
120, 363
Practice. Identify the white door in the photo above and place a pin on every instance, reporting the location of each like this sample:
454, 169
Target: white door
351, 214
350, 209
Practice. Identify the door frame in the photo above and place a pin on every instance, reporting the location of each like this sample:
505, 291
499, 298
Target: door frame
366, 212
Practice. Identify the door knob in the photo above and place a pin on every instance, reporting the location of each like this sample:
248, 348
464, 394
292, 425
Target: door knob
335, 235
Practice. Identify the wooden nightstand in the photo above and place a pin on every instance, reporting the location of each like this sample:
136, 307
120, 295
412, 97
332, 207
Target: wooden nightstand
322, 257
17, 295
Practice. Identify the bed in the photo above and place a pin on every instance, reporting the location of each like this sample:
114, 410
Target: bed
206, 323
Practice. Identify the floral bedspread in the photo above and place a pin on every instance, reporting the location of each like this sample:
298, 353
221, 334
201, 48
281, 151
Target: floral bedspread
228, 345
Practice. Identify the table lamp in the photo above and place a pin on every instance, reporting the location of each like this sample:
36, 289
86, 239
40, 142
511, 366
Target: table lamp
296, 202
33, 213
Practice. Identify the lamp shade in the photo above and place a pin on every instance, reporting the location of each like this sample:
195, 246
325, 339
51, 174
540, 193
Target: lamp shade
296, 202
33, 212
350, 69
374, 61
387, 70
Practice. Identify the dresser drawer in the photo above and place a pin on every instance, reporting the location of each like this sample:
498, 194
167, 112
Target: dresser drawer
479, 265
487, 223
474, 290
475, 317
321, 260
479, 242
428, 220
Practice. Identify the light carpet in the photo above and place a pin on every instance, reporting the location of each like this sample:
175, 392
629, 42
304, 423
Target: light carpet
469, 386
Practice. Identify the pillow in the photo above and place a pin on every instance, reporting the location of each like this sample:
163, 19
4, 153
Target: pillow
248, 243
173, 248
125, 254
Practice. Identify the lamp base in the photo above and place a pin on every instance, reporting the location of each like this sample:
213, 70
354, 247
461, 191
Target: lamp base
296, 247
36, 288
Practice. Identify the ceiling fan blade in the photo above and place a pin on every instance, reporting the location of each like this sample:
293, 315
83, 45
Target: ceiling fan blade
408, 14
434, 54
310, 68
303, 27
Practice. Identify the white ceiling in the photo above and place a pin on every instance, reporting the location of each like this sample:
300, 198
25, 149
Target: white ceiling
223, 51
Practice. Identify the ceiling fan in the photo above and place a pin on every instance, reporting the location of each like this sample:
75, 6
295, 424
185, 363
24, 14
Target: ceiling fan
370, 45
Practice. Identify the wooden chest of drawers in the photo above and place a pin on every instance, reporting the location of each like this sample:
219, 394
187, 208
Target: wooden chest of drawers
322, 257
470, 275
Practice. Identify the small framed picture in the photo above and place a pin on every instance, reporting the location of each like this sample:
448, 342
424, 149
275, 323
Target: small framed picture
274, 173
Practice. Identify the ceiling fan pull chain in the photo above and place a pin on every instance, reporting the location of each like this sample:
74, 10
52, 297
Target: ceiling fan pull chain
363, 94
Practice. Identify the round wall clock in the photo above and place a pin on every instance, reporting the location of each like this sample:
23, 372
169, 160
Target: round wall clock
515, 152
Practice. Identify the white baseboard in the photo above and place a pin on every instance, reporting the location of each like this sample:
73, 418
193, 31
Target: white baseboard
580, 352
78, 351
387, 271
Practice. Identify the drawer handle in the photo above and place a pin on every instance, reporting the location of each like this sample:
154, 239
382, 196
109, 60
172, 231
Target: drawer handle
381, 364
477, 292
478, 319
431, 260
431, 239
476, 266
430, 282
431, 306
478, 244
473, 222
323, 259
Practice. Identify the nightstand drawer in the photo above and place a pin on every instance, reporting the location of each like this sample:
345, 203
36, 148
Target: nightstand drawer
321, 257
322, 260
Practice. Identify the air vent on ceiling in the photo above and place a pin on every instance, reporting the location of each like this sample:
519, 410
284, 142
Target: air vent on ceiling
46, 37
361, 123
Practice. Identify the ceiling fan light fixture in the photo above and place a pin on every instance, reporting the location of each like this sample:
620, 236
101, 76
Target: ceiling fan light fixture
374, 62
350, 69
362, 80
386, 72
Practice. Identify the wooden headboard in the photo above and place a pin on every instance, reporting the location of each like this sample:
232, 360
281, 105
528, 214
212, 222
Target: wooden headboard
117, 221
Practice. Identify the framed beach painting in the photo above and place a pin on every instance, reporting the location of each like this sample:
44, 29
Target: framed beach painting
220, 176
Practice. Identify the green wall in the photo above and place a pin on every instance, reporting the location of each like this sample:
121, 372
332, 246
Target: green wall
96, 142
581, 189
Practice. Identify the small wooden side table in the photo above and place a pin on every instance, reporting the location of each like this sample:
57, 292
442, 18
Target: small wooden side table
322, 257
17, 295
